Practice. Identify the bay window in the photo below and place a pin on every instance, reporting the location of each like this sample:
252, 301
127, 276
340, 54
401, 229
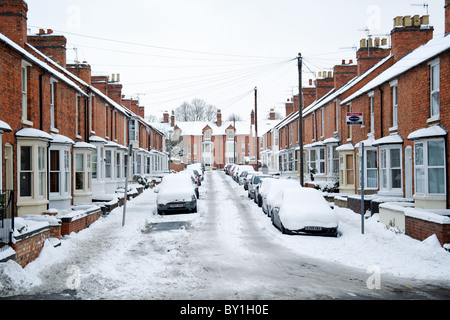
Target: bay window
391, 168
429, 163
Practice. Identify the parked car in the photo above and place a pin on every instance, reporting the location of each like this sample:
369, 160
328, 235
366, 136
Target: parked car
195, 180
252, 185
247, 179
200, 168
270, 187
176, 193
241, 169
304, 211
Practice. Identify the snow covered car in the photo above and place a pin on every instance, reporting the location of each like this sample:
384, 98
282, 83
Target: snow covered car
240, 170
269, 189
176, 193
253, 184
304, 211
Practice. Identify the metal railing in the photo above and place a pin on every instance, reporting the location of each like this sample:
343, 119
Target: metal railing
6, 215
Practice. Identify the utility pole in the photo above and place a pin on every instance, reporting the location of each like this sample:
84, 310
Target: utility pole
256, 127
300, 117
234, 138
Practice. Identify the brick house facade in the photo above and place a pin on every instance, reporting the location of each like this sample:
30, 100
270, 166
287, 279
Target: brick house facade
64, 134
402, 90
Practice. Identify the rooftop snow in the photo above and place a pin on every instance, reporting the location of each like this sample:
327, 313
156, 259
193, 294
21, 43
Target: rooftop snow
434, 131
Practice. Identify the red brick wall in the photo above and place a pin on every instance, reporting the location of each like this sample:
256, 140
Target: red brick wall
29, 249
68, 226
406, 39
422, 229
13, 20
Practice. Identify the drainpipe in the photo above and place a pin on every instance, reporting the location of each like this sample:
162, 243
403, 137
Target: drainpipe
41, 99
87, 131
381, 110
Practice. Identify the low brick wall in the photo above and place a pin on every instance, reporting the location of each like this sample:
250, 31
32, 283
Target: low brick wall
354, 204
29, 246
76, 224
421, 229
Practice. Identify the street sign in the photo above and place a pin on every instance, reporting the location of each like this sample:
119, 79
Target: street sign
355, 118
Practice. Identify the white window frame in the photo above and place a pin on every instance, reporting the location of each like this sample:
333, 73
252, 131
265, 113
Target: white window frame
368, 169
426, 167
319, 160
332, 160
25, 70
38, 170
64, 171
394, 87
434, 90
207, 134
86, 170
386, 168
53, 127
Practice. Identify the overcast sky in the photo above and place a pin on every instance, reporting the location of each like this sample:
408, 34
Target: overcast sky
170, 51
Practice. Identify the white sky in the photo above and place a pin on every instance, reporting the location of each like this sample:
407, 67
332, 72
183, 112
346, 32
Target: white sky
170, 51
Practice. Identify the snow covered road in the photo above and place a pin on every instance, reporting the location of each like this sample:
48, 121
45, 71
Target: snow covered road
229, 250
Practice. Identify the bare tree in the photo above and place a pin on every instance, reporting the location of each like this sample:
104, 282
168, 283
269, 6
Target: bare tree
197, 110
234, 116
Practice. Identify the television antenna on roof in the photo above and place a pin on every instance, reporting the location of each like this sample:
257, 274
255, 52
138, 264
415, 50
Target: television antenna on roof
425, 5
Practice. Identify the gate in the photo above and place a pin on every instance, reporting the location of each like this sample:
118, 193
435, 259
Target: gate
6, 216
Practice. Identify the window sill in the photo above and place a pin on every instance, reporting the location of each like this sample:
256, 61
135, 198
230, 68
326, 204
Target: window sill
434, 118
27, 122
393, 129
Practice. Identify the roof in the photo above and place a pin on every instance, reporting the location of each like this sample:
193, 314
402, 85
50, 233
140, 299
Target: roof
28, 56
424, 53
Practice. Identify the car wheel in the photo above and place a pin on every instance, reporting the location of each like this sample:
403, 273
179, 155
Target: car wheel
248, 194
160, 212
259, 201
194, 210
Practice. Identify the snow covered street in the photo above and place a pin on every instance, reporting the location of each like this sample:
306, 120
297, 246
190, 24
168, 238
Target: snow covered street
230, 250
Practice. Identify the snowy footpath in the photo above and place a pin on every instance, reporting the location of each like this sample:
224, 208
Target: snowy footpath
108, 261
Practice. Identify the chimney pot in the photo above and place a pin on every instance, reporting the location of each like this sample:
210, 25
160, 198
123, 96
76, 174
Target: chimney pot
49, 31
398, 21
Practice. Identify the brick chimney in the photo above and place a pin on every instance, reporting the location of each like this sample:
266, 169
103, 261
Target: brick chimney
344, 73
141, 112
409, 33
100, 82
252, 117
172, 119
272, 114
219, 117
289, 107
13, 20
324, 83
81, 70
53, 46
309, 96
447, 17
166, 117
370, 53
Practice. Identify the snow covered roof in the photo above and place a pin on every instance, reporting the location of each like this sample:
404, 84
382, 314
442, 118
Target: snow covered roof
425, 52
33, 133
367, 143
58, 138
38, 62
346, 147
97, 139
195, 128
430, 132
390, 139
4, 126
84, 145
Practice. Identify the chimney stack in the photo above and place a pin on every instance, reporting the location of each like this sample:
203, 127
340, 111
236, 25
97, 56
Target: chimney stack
252, 117
166, 117
81, 70
272, 114
324, 83
344, 73
219, 117
409, 33
53, 46
368, 55
172, 119
13, 20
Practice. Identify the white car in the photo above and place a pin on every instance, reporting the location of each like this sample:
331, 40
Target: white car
304, 211
253, 183
176, 193
269, 189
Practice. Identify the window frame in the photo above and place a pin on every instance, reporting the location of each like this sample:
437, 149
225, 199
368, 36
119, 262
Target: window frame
434, 114
425, 166
385, 165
